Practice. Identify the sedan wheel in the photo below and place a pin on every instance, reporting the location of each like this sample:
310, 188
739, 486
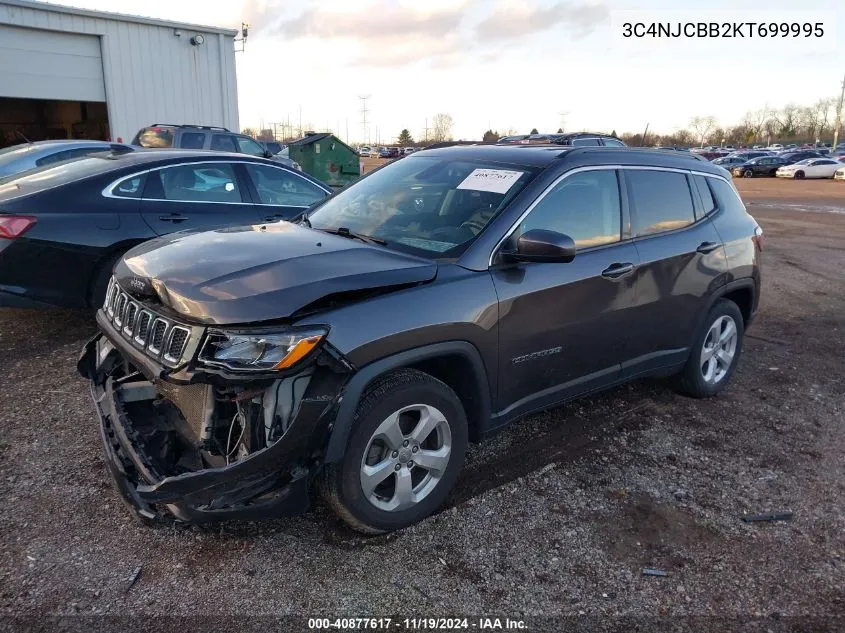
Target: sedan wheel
799, 175
748, 173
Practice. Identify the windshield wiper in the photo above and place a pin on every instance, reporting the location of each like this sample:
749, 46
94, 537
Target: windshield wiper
345, 232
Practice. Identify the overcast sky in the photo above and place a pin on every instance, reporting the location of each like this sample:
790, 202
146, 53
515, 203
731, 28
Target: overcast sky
505, 64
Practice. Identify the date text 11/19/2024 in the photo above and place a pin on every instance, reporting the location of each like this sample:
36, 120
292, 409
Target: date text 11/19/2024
417, 624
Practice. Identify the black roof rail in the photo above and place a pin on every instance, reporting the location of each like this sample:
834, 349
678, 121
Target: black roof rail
200, 127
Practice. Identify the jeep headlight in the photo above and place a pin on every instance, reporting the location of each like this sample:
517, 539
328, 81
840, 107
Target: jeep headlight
260, 350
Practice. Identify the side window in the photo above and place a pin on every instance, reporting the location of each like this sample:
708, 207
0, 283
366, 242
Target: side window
282, 187
584, 142
192, 140
223, 143
248, 146
132, 187
585, 206
203, 182
662, 200
709, 205
726, 196
612, 142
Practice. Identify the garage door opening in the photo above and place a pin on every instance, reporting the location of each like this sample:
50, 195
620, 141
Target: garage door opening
24, 120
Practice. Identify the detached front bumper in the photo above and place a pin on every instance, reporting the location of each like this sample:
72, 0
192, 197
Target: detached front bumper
268, 483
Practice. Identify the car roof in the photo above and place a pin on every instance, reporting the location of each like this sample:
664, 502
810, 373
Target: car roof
546, 155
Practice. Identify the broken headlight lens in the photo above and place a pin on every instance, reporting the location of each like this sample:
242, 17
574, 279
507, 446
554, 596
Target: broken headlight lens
258, 350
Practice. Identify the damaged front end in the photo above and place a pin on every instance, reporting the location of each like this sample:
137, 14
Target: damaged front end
191, 430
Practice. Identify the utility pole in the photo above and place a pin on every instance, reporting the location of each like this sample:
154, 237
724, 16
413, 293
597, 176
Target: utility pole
300, 121
365, 131
838, 124
426, 128
563, 116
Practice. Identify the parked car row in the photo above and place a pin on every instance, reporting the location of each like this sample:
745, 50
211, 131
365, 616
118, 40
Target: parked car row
573, 139
807, 164
385, 152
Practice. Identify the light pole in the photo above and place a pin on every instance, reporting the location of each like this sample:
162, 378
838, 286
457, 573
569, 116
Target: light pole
838, 124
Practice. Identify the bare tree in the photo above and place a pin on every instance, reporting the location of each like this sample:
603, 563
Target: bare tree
702, 126
442, 126
249, 131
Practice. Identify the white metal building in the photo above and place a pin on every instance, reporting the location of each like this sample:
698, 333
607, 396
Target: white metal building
75, 73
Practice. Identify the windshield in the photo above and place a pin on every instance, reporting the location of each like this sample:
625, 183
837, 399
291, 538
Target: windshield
426, 205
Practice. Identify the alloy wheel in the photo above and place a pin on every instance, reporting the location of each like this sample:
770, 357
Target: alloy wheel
748, 173
406, 457
718, 350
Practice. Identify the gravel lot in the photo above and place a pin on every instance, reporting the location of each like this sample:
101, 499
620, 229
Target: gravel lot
558, 515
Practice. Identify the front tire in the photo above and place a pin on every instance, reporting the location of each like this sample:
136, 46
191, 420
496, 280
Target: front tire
748, 174
715, 352
405, 451
799, 175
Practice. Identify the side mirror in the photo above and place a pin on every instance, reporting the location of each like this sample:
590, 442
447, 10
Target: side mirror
540, 245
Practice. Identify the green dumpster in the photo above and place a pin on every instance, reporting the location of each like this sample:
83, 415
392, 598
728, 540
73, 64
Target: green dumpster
327, 158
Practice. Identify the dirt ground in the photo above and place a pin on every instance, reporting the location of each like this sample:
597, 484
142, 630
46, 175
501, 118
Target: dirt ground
556, 516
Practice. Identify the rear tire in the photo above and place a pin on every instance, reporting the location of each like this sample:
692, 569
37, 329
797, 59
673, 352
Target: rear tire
715, 352
405, 419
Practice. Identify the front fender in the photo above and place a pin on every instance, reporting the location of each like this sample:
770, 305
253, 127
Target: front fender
354, 389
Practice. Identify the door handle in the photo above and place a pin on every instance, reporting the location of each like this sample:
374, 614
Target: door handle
617, 270
707, 247
173, 217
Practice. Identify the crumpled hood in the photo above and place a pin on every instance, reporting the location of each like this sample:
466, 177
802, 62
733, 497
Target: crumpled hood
257, 273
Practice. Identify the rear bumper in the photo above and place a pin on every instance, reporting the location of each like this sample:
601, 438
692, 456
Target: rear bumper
270, 483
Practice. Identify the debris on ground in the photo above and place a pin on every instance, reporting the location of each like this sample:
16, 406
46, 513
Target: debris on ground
777, 516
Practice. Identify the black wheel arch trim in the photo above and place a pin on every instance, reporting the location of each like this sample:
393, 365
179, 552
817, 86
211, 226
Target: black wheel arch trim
356, 386
746, 283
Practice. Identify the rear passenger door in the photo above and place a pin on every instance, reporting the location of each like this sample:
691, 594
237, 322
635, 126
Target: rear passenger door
280, 193
682, 262
196, 196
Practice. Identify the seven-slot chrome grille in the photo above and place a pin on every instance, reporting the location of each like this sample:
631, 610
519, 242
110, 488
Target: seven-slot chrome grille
157, 336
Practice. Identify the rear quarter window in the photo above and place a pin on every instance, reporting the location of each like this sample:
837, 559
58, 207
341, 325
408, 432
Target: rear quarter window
726, 196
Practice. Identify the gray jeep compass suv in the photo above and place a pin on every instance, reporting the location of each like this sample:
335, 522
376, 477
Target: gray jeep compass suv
362, 345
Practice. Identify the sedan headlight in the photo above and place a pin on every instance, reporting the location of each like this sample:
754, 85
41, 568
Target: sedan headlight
260, 350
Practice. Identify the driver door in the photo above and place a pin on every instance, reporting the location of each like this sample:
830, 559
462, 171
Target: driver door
280, 193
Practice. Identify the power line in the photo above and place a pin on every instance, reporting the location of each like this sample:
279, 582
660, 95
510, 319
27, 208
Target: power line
365, 131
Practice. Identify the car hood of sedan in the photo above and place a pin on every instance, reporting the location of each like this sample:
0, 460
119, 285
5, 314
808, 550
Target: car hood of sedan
259, 273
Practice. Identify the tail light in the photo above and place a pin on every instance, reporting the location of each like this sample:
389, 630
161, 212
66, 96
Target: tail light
12, 226
758, 238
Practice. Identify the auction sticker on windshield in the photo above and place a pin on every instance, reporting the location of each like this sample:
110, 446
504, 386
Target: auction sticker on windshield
493, 180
